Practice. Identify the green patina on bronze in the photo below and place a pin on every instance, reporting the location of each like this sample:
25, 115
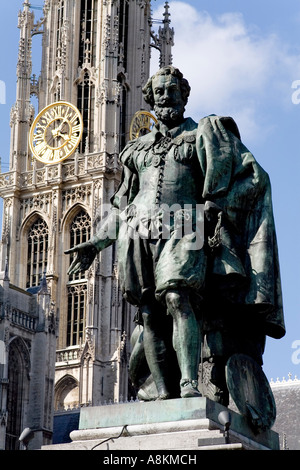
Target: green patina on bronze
196, 307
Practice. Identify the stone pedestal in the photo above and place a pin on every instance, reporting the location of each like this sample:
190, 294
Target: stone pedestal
188, 424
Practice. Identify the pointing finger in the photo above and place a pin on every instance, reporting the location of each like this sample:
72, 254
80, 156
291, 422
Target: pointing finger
71, 250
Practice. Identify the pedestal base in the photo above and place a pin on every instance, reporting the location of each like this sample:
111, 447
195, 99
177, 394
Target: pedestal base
180, 424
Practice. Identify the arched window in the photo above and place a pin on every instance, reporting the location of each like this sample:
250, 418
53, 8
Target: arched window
88, 29
37, 252
123, 106
16, 394
87, 57
86, 105
80, 232
66, 393
60, 22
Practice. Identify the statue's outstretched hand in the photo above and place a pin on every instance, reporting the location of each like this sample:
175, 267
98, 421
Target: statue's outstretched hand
85, 255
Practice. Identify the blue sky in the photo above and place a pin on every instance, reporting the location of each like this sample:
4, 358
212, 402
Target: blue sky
241, 59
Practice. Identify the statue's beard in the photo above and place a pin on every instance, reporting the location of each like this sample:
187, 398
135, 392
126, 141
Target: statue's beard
170, 114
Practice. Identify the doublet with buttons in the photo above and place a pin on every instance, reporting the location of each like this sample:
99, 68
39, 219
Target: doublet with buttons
169, 171
166, 170
162, 195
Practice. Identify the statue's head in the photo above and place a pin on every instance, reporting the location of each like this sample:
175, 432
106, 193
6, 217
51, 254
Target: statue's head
167, 93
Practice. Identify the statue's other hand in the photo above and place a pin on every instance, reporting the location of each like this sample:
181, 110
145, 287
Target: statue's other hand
85, 255
211, 210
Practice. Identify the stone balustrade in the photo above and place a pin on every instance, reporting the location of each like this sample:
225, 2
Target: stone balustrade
79, 166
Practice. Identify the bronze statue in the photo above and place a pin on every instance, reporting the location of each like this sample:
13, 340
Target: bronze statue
197, 250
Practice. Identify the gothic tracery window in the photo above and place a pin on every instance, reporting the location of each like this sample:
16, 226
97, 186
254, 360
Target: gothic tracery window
77, 297
59, 42
86, 104
123, 104
37, 252
87, 58
123, 33
15, 397
80, 231
88, 30
60, 22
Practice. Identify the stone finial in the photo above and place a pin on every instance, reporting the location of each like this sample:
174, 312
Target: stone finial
166, 39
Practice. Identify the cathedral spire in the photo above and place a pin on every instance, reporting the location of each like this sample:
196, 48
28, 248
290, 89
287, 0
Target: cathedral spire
22, 112
24, 65
167, 14
164, 39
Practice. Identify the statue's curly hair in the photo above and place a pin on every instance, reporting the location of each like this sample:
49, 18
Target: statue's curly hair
167, 70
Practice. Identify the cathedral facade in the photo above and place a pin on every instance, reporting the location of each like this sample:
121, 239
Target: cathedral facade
96, 56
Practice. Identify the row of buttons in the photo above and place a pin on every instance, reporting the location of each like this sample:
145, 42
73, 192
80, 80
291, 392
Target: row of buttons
160, 152
161, 163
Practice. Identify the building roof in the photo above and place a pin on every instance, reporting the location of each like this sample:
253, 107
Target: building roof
287, 398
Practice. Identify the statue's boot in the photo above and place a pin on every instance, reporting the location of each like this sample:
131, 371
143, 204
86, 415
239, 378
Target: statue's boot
189, 388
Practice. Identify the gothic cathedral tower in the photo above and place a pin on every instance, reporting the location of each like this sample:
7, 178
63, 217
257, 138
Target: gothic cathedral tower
95, 55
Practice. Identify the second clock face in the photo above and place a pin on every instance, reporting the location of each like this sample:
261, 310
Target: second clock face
142, 123
56, 132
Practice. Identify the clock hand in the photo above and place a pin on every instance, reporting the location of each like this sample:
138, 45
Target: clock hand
55, 132
64, 136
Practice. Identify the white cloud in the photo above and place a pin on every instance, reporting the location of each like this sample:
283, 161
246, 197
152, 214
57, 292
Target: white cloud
233, 68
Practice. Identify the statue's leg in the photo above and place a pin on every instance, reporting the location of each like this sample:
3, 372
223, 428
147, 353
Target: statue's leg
186, 340
155, 350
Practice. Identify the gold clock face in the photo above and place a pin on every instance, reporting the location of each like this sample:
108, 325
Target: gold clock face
142, 122
56, 132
